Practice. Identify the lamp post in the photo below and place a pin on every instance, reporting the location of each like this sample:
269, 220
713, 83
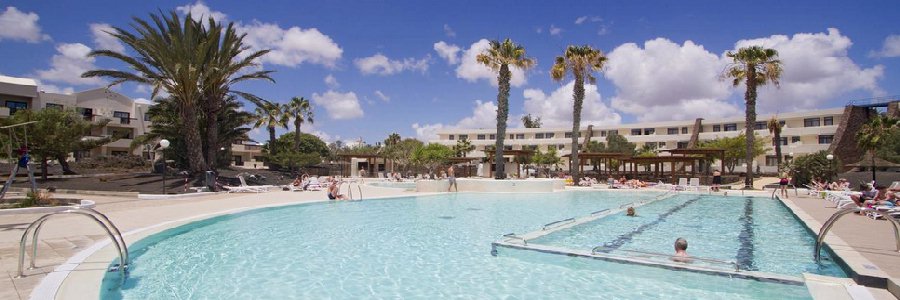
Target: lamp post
163, 144
830, 158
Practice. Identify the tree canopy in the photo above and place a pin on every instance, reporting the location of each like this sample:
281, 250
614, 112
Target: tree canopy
310, 151
735, 149
432, 156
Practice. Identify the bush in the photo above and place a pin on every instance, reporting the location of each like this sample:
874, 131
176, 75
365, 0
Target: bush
112, 162
811, 166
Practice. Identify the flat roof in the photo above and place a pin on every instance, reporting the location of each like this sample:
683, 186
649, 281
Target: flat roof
18, 81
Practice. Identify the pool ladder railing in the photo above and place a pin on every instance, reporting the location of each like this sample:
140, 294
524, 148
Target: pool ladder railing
605, 249
820, 239
516, 237
350, 185
560, 222
111, 230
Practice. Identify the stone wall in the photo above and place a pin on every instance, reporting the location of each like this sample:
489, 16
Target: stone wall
893, 109
844, 145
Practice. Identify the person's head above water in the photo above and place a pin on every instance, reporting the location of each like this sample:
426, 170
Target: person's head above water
681, 245
630, 212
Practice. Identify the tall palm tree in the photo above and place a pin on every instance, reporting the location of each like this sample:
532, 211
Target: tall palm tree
754, 66
271, 115
301, 110
774, 127
170, 55
581, 62
499, 56
874, 133
392, 139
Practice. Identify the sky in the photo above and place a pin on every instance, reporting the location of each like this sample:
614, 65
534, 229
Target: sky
372, 68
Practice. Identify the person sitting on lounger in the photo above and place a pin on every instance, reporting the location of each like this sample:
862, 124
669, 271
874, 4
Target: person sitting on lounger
870, 194
681, 251
333, 191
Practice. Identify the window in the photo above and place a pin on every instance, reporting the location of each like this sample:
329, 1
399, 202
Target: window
118, 153
124, 117
717, 128
539, 135
87, 113
828, 121
602, 133
771, 160
512, 136
684, 130
826, 139
613, 132
492, 136
452, 137
520, 136
649, 131
54, 105
795, 139
784, 141
529, 147
760, 125
507, 147
561, 146
125, 133
672, 131
568, 135
731, 127
662, 145
636, 131
481, 136
811, 122
463, 137
549, 135
146, 117
682, 145
15, 106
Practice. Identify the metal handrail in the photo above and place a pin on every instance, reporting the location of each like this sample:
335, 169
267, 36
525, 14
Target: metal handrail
817, 255
737, 267
123, 262
350, 188
514, 236
103, 217
569, 220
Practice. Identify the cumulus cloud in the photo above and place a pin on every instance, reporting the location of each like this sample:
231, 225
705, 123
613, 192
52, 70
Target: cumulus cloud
68, 64
891, 47
484, 115
382, 96
340, 106
18, 25
555, 109
331, 82
51, 88
666, 74
555, 30
427, 132
200, 11
581, 19
448, 52
382, 65
817, 69
449, 31
103, 39
470, 70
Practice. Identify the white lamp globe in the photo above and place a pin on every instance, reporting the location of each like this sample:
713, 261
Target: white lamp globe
829, 157
163, 143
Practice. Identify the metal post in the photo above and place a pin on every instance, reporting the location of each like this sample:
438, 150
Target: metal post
164, 171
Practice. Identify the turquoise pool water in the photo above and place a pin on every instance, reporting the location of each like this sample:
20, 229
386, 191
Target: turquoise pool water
397, 185
759, 234
414, 247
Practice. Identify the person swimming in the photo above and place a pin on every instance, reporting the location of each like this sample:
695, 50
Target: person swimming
630, 212
681, 251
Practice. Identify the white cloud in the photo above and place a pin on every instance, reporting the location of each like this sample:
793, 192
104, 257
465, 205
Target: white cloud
555, 30
382, 96
449, 31
104, 40
470, 70
340, 106
484, 115
448, 52
382, 65
199, 11
664, 74
68, 65
292, 46
555, 109
50, 88
891, 47
331, 82
817, 69
17, 25
581, 19
142, 101
603, 30
427, 132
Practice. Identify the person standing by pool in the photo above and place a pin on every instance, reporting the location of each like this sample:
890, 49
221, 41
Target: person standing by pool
717, 180
681, 251
451, 175
783, 183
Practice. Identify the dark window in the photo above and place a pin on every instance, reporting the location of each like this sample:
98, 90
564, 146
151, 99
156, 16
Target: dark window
492, 136
828, 121
125, 133
562, 146
795, 139
452, 137
124, 117
603, 133
672, 130
146, 117
662, 144
54, 105
784, 141
613, 132
636, 131
683, 130
507, 147
649, 131
538, 135
119, 153
771, 160
481, 136
512, 136
826, 139
717, 128
549, 135
463, 137
520, 136
811, 122
731, 127
15, 106
87, 113
682, 145
568, 135
760, 125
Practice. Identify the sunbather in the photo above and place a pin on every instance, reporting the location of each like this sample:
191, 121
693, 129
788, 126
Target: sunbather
871, 194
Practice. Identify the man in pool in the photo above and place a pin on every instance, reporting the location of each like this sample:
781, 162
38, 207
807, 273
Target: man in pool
630, 212
333, 191
681, 251
451, 175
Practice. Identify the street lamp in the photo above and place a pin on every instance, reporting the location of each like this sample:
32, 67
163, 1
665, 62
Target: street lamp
830, 159
163, 144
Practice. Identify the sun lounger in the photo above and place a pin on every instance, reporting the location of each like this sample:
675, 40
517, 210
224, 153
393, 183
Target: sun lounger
256, 188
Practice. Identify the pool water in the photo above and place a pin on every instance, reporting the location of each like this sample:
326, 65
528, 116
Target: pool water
759, 234
413, 247
410, 186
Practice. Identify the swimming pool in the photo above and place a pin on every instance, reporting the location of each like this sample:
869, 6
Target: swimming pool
412, 247
409, 186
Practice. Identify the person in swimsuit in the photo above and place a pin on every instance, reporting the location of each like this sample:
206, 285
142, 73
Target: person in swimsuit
783, 183
681, 251
333, 191
717, 180
451, 175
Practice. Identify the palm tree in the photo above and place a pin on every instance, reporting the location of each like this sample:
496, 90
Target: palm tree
463, 147
874, 134
499, 57
271, 115
170, 54
581, 62
301, 111
774, 127
754, 66
392, 139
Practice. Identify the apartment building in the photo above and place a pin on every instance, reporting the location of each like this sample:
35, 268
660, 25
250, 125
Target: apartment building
803, 133
126, 117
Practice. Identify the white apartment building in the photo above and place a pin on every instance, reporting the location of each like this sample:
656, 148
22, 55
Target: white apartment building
126, 116
803, 133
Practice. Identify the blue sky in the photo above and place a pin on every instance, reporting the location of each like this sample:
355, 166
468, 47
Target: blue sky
405, 67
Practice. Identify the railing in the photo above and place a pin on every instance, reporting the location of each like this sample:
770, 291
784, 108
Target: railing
606, 250
871, 101
549, 225
817, 254
516, 237
111, 230
350, 184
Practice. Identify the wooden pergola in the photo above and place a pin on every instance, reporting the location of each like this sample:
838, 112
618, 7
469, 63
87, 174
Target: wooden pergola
705, 153
463, 160
604, 158
514, 153
658, 162
371, 160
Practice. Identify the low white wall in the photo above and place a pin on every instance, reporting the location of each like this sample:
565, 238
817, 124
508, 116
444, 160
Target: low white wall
491, 185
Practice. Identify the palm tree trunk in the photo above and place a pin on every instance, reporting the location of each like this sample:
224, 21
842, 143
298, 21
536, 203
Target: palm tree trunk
297, 132
502, 114
212, 132
272, 150
192, 140
778, 148
750, 98
67, 170
44, 168
873, 167
576, 124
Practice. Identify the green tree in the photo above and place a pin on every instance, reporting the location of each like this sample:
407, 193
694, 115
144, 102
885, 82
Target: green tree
774, 127
403, 151
271, 115
619, 144
753, 66
806, 168
545, 160
301, 110
581, 62
310, 151
735, 150
392, 139
530, 121
499, 56
874, 134
432, 156
463, 147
